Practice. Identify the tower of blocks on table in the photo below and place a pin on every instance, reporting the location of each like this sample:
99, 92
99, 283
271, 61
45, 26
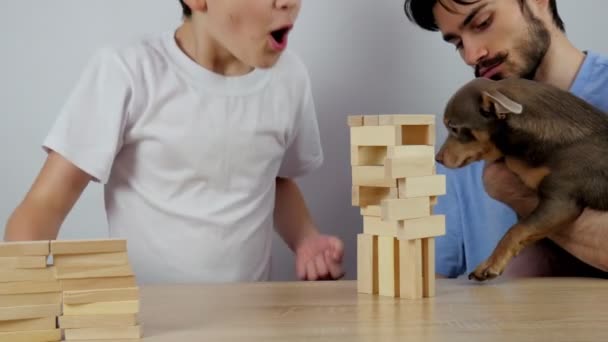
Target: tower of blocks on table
395, 184
88, 292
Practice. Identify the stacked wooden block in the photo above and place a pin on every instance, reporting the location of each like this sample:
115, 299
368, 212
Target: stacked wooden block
30, 297
88, 294
100, 296
395, 184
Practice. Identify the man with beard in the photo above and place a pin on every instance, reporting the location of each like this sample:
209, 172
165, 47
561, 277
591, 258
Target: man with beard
513, 38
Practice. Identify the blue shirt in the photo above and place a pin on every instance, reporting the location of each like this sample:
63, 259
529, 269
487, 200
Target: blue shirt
474, 221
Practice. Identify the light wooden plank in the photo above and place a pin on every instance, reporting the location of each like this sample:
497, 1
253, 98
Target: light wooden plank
375, 136
428, 267
367, 155
59, 247
367, 264
34, 274
41, 323
371, 210
29, 311
97, 321
407, 119
30, 299
100, 295
370, 120
432, 186
21, 262
405, 208
388, 266
363, 196
355, 120
410, 269
91, 260
98, 283
24, 248
50, 335
102, 308
129, 332
97, 272
423, 227
21, 287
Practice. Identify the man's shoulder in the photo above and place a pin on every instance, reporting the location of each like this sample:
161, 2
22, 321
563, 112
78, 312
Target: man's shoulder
591, 82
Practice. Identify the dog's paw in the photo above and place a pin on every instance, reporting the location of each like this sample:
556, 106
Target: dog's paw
485, 272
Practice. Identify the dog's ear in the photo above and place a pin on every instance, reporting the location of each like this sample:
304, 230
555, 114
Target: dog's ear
493, 101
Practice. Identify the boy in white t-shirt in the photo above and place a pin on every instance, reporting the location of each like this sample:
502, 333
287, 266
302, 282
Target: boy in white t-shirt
196, 135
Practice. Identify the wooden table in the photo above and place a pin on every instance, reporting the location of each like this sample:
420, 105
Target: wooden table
544, 309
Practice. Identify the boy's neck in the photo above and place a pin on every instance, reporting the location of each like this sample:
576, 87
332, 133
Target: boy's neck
202, 49
561, 63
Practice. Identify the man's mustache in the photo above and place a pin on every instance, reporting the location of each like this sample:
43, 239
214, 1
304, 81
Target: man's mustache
490, 62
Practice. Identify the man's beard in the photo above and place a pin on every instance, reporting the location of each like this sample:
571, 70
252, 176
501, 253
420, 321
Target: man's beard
532, 48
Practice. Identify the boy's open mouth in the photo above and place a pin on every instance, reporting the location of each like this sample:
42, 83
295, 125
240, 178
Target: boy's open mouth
280, 34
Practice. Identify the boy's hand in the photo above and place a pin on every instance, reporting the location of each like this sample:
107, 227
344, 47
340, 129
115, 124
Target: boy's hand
319, 257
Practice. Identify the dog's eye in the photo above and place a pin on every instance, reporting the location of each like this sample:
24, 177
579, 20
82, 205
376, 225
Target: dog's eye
454, 130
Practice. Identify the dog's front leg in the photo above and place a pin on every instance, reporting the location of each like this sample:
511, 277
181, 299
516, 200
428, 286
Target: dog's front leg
551, 214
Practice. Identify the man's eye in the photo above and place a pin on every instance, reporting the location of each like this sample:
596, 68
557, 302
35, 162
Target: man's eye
484, 24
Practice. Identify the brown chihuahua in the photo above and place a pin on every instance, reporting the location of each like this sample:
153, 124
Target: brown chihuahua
554, 141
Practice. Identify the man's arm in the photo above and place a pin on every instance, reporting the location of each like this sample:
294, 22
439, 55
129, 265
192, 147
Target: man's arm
586, 238
317, 256
52, 195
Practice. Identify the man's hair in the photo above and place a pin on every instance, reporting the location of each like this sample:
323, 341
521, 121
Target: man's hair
186, 11
421, 12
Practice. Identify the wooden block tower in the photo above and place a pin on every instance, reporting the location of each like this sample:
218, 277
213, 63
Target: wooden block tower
89, 293
395, 184
30, 296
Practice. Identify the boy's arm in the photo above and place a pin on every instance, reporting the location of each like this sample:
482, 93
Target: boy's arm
51, 197
317, 256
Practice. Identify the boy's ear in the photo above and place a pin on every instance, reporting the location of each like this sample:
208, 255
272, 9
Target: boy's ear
493, 101
197, 5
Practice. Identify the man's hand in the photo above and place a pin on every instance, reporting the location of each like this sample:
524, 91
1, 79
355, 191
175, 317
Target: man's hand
505, 186
319, 257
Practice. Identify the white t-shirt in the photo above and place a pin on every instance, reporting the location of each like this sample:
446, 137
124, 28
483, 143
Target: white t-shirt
189, 158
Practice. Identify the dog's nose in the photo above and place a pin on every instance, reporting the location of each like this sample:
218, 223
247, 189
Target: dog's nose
439, 157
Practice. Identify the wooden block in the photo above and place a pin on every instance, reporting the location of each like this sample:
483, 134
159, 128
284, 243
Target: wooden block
406, 119
424, 227
29, 311
367, 155
50, 335
418, 135
372, 176
30, 299
428, 267
418, 228
98, 272
22, 287
34, 274
102, 295
371, 210
20, 262
97, 283
355, 120
97, 321
431, 186
130, 332
409, 161
388, 266
367, 264
59, 247
410, 272
363, 196
91, 260
102, 308
373, 225
375, 136
405, 208
42, 323
370, 120
24, 248
113, 340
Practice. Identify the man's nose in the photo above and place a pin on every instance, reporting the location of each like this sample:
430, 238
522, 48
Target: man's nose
287, 4
473, 54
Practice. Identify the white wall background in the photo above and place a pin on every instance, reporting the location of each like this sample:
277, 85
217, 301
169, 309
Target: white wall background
363, 56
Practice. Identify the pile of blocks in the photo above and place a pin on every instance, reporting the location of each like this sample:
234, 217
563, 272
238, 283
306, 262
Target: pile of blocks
88, 293
394, 182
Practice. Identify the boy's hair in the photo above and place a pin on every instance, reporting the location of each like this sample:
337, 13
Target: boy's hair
421, 12
186, 11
